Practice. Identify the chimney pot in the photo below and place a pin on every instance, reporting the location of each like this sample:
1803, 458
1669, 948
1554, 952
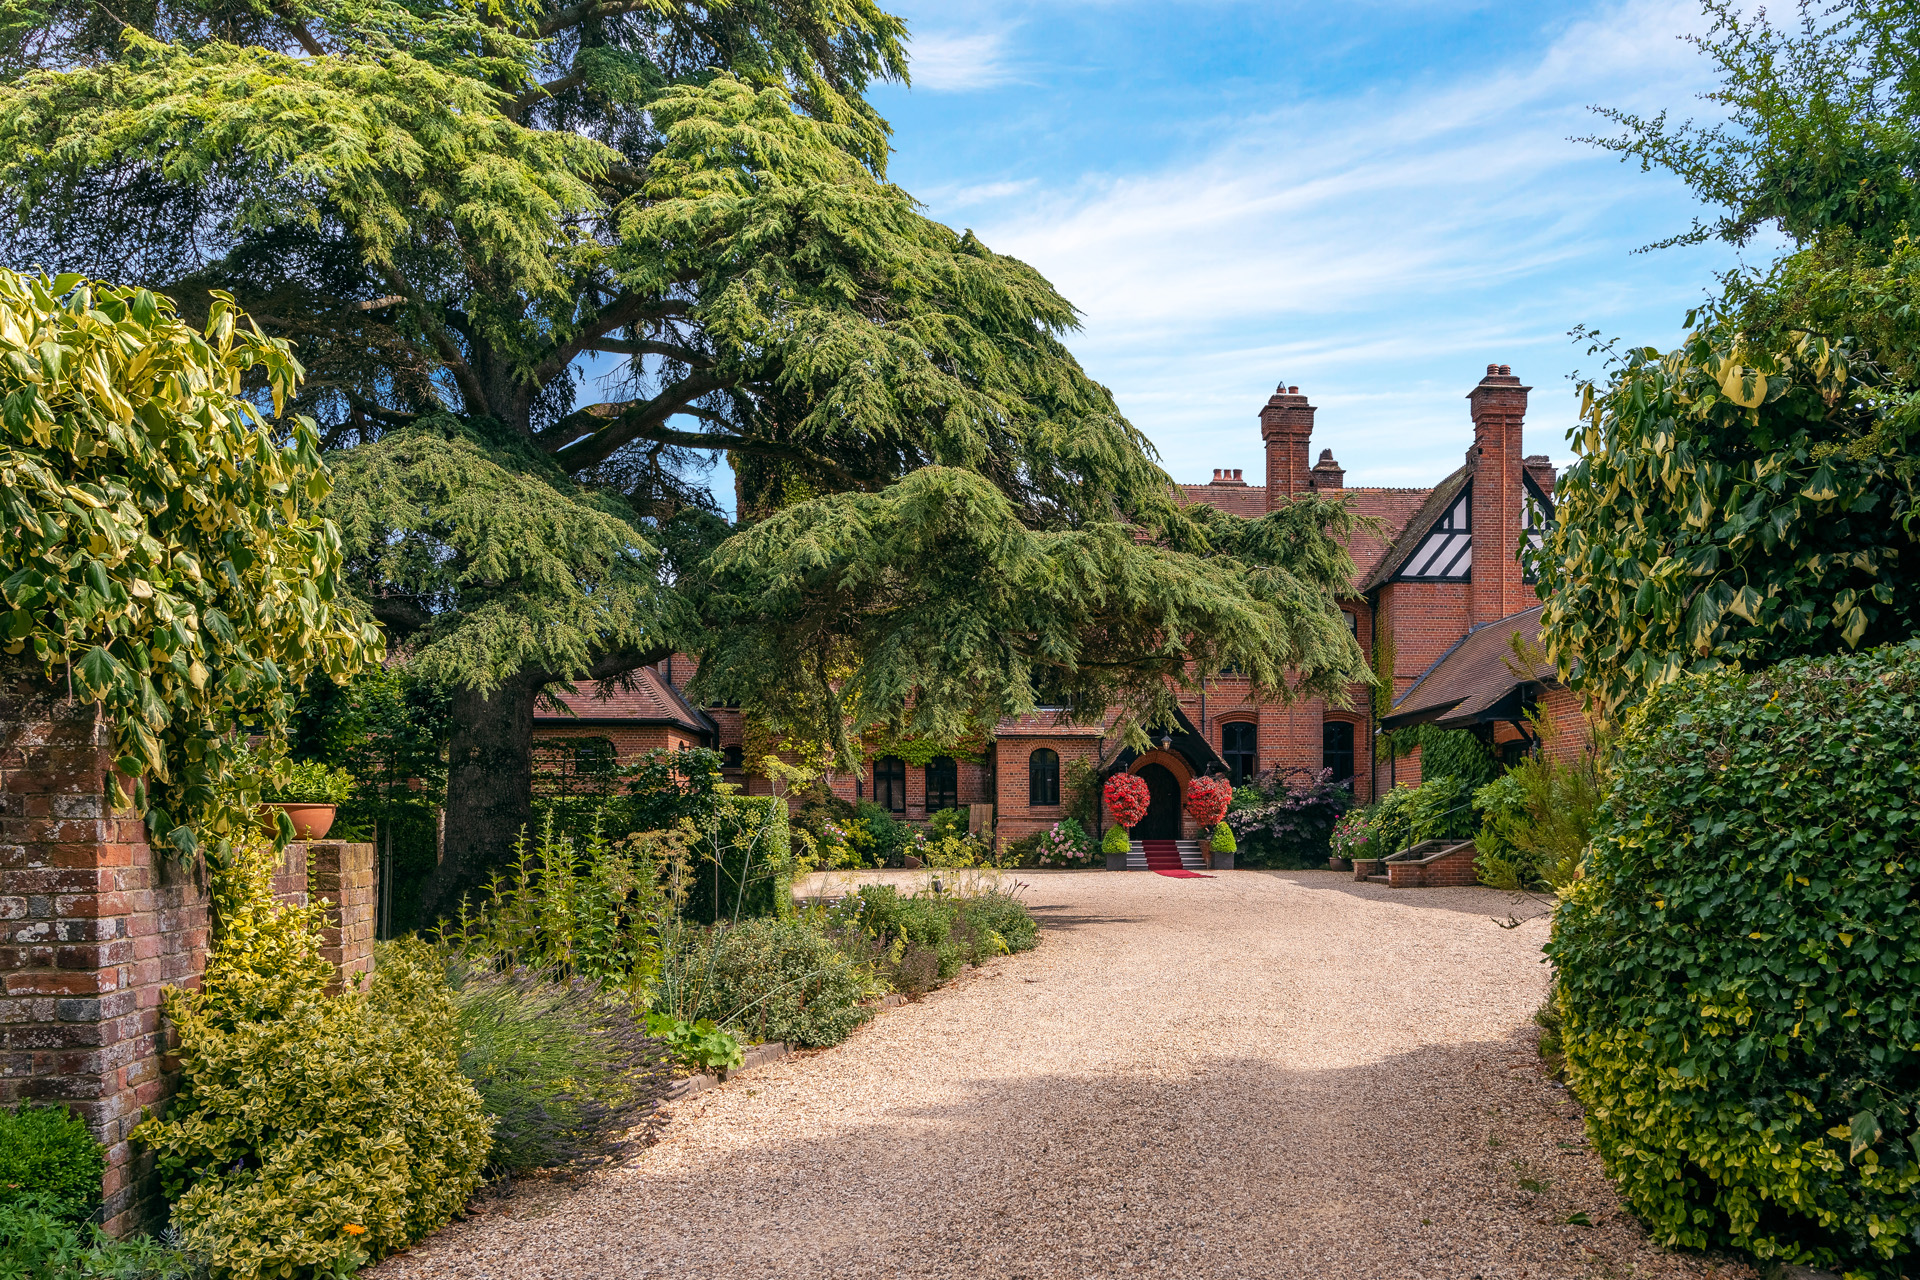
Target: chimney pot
1293, 391
1506, 370
1236, 473
1492, 369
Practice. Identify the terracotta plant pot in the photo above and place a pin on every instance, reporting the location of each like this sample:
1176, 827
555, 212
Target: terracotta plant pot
310, 821
1336, 863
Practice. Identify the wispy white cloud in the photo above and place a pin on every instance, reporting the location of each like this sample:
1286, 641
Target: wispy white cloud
952, 61
1377, 249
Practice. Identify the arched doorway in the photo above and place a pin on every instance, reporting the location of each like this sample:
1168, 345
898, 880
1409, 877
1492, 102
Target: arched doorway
1163, 804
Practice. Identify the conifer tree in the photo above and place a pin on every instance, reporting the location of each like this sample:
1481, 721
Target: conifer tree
449, 207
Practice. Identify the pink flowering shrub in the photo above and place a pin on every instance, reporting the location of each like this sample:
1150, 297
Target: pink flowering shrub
1067, 844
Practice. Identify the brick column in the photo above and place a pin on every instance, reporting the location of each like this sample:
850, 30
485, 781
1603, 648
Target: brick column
343, 875
93, 923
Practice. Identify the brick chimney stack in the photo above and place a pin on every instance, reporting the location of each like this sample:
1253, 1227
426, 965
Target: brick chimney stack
1228, 476
1499, 406
1328, 474
1286, 424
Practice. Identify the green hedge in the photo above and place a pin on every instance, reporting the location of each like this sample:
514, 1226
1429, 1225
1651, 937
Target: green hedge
1739, 970
49, 1161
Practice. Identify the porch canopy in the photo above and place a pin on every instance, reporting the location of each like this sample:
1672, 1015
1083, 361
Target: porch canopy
1184, 741
1493, 673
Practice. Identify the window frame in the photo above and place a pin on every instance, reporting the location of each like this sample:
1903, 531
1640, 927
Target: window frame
949, 794
1231, 758
1043, 778
895, 780
1351, 752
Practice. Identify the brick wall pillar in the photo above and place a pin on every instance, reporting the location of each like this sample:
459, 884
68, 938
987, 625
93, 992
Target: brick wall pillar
343, 875
93, 923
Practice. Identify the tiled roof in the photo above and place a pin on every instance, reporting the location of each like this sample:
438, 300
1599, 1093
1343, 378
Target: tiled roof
650, 700
1047, 722
1394, 508
1248, 501
1475, 674
1438, 499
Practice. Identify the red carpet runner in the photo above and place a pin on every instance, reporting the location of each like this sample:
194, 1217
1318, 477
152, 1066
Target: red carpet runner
1163, 856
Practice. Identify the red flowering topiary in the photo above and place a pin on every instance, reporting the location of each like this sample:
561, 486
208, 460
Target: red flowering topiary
1207, 800
1126, 797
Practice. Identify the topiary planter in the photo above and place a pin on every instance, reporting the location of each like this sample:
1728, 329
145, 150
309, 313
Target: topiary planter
310, 821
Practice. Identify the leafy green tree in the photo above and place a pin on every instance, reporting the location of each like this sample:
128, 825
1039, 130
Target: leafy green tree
452, 208
1749, 496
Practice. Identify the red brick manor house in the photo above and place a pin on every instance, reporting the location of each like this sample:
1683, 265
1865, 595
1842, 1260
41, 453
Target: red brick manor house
1439, 589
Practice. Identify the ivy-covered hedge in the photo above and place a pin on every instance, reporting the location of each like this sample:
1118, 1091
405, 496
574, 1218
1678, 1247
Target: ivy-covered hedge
1739, 970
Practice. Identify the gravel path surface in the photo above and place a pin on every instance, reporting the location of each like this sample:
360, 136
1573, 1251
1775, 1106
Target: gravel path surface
1260, 1074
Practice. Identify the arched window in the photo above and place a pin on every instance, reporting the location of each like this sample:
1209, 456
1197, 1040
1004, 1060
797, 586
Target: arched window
1043, 777
1336, 748
890, 783
1239, 748
943, 783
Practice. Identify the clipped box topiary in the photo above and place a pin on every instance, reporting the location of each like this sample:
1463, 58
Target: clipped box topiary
49, 1161
1738, 972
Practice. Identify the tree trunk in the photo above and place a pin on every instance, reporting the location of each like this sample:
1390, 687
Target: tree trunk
489, 790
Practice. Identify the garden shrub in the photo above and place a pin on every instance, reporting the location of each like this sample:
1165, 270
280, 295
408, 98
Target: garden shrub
1440, 808
38, 1245
742, 863
310, 1133
568, 1073
784, 980
161, 544
917, 943
1222, 839
1738, 971
49, 1161
1005, 916
1116, 840
1067, 844
1025, 850
1293, 820
568, 909
1535, 822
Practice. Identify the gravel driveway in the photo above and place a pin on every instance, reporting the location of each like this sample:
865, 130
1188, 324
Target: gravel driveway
1259, 1074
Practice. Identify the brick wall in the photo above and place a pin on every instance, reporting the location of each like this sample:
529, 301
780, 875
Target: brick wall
342, 875
95, 924
1015, 817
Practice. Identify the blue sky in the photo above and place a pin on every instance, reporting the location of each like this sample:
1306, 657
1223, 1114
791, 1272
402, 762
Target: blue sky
1369, 200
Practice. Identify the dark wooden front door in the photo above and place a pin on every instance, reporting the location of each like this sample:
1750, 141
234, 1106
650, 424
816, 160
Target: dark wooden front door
1163, 805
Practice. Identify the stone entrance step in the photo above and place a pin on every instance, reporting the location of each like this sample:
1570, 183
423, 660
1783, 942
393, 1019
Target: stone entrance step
1191, 858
